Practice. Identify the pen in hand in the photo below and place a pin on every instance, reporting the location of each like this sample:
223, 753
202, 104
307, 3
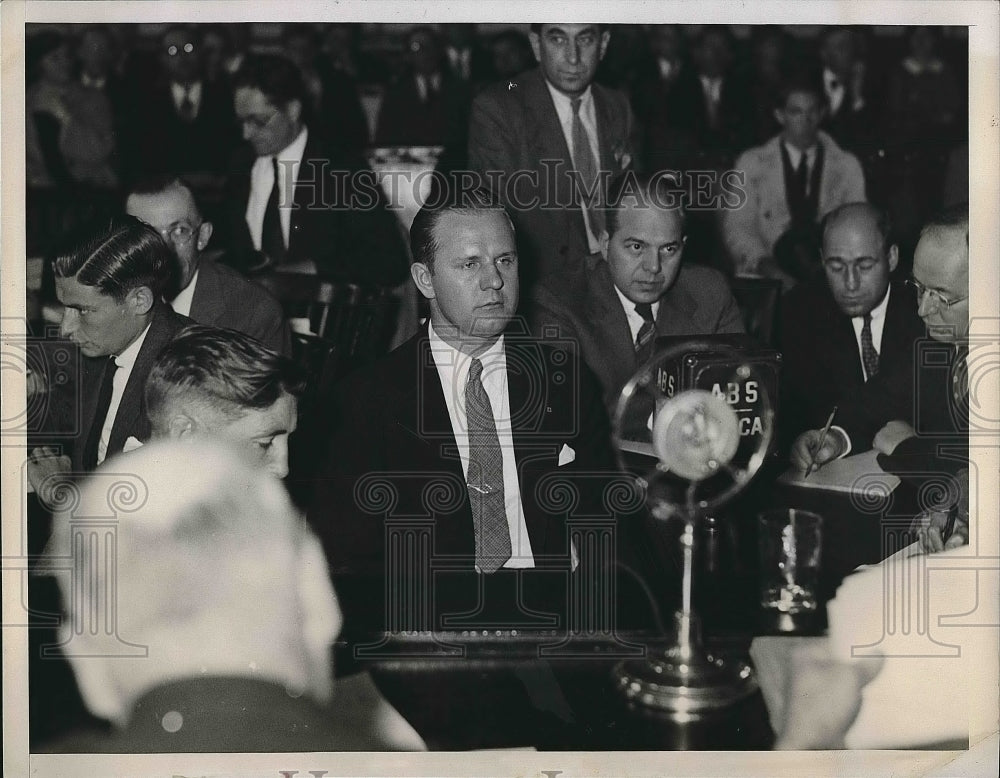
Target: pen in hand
949, 527
822, 440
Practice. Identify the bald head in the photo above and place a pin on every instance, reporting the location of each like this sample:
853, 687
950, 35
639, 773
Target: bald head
214, 572
858, 257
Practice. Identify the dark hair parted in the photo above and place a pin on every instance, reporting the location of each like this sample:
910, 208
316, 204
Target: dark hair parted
276, 76
537, 28
160, 183
120, 255
657, 190
226, 369
423, 242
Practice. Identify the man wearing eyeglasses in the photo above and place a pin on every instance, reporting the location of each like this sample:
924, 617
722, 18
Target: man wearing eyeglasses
207, 291
300, 203
847, 341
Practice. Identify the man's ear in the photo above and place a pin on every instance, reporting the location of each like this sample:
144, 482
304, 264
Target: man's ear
536, 45
424, 279
605, 37
604, 241
181, 425
779, 115
294, 110
204, 235
893, 257
140, 300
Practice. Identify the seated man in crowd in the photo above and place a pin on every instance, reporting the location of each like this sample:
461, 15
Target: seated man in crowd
637, 287
224, 384
468, 425
791, 182
206, 291
848, 338
295, 201
111, 285
205, 657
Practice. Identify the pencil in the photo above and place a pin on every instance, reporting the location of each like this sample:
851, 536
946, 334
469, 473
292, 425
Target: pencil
822, 440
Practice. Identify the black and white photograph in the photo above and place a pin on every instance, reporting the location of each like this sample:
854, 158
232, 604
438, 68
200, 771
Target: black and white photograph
427, 388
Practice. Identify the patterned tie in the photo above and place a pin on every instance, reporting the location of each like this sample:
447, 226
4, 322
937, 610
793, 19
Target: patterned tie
644, 338
586, 165
272, 241
92, 446
868, 353
485, 480
802, 175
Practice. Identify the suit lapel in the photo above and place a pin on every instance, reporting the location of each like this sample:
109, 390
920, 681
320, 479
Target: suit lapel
130, 420
605, 310
207, 303
676, 313
91, 376
606, 129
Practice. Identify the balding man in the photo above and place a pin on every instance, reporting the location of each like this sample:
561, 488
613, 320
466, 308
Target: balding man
847, 340
226, 589
206, 291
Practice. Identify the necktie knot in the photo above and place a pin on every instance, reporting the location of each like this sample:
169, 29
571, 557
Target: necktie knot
645, 310
475, 370
575, 104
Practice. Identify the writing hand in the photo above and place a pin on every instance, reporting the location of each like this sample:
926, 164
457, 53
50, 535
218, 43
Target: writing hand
807, 455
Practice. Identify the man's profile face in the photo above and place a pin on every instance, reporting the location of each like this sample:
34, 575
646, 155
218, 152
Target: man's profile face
569, 54
645, 252
268, 128
263, 433
800, 118
857, 264
473, 284
941, 264
100, 325
174, 215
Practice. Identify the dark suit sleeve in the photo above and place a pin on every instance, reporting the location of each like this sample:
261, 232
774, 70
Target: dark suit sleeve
730, 319
550, 322
491, 141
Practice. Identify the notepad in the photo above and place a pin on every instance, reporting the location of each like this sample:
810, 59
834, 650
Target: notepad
858, 473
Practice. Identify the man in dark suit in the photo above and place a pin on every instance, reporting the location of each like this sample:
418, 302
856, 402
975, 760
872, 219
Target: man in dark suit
428, 106
207, 291
111, 287
182, 124
637, 288
848, 339
852, 110
548, 141
205, 657
294, 201
466, 429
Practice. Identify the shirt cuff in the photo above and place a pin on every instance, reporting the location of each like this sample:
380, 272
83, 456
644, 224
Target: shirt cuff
844, 437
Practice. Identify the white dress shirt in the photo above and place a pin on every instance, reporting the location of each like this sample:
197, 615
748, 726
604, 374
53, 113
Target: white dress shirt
422, 85
588, 116
182, 302
635, 321
878, 325
835, 89
453, 370
125, 361
193, 92
262, 182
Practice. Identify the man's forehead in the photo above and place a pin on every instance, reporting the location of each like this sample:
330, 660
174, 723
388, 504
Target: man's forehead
250, 99
942, 252
161, 209
570, 29
634, 210
259, 422
71, 291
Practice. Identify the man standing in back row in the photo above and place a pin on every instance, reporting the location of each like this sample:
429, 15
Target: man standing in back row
552, 136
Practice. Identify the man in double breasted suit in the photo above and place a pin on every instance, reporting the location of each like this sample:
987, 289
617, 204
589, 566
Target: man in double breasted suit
531, 136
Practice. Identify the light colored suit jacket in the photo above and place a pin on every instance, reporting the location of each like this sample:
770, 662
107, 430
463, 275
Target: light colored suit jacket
590, 319
517, 131
751, 231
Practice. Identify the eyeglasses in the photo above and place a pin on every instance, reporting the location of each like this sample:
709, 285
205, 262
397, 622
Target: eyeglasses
187, 48
179, 234
936, 299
